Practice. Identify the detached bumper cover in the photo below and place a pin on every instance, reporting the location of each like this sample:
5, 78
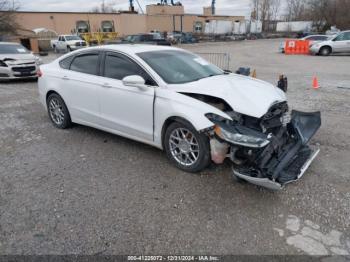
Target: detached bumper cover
285, 159
273, 185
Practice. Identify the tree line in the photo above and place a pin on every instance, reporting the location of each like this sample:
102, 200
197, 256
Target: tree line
324, 13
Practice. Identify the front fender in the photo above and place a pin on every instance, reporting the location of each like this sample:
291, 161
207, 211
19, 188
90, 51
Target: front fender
170, 104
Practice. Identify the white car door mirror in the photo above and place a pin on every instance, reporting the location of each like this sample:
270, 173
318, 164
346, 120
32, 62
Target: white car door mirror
136, 81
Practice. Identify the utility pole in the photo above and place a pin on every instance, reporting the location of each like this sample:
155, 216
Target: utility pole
103, 9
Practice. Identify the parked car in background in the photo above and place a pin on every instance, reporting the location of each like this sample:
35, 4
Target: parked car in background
67, 43
178, 37
152, 39
177, 101
312, 38
174, 37
339, 43
188, 38
17, 62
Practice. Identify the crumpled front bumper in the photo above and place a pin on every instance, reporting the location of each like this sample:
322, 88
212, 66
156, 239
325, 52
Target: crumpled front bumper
291, 164
273, 185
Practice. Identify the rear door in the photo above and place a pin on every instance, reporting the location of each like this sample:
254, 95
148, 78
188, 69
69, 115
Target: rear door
125, 109
80, 84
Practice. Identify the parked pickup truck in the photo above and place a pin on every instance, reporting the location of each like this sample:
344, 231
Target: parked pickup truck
67, 43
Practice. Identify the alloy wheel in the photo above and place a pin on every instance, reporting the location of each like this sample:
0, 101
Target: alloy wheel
56, 111
184, 146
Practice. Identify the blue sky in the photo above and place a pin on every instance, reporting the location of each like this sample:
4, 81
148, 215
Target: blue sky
224, 7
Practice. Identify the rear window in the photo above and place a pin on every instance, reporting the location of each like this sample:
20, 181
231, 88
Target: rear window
85, 64
65, 63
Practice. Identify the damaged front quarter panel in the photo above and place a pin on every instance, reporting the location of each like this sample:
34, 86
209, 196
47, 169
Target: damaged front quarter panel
270, 151
271, 157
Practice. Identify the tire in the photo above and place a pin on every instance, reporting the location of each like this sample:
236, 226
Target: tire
56, 49
325, 51
58, 112
179, 140
69, 49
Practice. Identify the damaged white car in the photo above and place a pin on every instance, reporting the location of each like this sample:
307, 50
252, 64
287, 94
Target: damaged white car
177, 101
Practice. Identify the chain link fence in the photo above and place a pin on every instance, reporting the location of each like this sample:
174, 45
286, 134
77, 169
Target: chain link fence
221, 60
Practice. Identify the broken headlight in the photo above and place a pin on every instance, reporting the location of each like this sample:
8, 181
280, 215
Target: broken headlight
240, 139
216, 118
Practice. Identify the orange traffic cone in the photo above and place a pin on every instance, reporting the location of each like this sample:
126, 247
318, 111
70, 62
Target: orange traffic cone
315, 84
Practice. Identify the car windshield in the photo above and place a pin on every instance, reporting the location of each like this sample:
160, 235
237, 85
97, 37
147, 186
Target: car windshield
133, 38
72, 37
13, 49
177, 67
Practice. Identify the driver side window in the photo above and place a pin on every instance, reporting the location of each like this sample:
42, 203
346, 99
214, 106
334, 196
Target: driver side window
118, 66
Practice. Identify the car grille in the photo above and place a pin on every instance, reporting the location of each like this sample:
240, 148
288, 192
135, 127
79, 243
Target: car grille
276, 116
276, 110
80, 44
23, 69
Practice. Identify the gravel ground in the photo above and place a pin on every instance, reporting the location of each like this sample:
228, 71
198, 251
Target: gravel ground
84, 191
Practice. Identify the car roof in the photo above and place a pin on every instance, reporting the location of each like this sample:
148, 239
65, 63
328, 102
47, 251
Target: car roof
314, 35
133, 48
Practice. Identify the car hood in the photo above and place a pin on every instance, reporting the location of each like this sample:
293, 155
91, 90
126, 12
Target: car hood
245, 95
17, 59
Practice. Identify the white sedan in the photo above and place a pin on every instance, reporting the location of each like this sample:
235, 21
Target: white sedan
176, 101
17, 62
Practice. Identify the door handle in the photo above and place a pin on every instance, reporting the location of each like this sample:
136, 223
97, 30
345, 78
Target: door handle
65, 78
106, 85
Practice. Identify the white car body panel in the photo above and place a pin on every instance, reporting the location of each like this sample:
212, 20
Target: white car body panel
133, 114
108, 105
245, 95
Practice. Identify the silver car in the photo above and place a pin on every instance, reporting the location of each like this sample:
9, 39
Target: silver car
339, 43
17, 62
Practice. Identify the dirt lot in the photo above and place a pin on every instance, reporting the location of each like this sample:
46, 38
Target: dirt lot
84, 191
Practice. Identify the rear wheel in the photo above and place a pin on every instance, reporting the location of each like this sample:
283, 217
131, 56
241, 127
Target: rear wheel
58, 111
186, 148
325, 51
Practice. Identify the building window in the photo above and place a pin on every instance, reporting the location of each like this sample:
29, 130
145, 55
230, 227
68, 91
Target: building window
198, 27
107, 26
83, 27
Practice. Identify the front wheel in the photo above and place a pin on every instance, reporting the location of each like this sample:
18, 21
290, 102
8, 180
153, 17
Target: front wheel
186, 148
325, 51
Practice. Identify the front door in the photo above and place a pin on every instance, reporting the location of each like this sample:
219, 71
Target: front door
125, 109
342, 43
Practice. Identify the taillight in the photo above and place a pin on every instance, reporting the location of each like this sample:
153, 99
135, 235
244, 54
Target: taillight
39, 73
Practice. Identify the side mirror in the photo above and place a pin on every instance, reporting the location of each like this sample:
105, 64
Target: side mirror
135, 81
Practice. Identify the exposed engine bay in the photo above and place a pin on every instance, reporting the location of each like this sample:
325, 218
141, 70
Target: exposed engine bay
270, 151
